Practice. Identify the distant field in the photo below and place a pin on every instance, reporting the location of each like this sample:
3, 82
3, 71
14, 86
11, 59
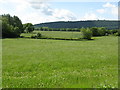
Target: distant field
42, 63
55, 34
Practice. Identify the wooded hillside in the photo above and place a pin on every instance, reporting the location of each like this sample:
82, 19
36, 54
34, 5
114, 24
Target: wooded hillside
79, 24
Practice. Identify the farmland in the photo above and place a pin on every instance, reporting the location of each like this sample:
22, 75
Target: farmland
43, 63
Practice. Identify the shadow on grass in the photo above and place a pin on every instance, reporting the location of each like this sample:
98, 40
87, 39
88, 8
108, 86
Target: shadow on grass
64, 39
68, 39
54, 38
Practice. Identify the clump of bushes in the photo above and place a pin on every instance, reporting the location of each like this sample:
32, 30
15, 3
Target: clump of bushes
28, 27
56, 29
98, 31
87, 33
116, 34
37, 36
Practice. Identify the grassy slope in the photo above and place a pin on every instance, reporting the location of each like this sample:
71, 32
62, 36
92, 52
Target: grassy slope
57, 63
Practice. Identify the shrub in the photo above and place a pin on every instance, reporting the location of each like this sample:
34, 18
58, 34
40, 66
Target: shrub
113, 31
33, 36
38, 36
101, 31
87, 33
116, 34
94, 31
28, 27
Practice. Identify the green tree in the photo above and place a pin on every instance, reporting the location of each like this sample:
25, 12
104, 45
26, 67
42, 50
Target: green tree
94, 31
18, 23
11, 27
101, 31
87, 33
28, 27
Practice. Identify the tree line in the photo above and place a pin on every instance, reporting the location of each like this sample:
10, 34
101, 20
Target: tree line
97, 31
57, 29
12, 27
87, 33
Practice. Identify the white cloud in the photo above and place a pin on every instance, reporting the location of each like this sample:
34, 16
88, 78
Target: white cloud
34, 18
101, 11
36, 11
56, 13
2, 1
113, 9
64, 14
90, 16
53, 14
43, 7
108, 5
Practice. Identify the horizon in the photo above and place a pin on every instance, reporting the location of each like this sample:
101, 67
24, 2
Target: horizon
75, 21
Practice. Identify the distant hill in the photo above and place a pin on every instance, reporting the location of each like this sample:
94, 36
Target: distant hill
109, 24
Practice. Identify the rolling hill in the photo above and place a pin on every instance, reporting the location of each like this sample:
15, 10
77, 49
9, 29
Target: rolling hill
109, 24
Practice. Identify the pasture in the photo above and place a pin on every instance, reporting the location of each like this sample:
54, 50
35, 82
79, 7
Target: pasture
42, 63
55, 34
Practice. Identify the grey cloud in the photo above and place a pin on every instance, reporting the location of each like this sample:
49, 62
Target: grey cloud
45, 8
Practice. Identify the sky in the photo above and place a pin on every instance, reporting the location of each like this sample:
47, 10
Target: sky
41, 11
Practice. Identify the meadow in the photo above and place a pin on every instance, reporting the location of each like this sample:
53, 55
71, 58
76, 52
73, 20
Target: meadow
55, 34
43, 63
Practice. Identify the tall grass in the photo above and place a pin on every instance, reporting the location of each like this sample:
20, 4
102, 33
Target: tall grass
38, 63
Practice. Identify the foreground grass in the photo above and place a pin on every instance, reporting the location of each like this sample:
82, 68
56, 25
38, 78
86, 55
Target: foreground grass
0, 63
41, 63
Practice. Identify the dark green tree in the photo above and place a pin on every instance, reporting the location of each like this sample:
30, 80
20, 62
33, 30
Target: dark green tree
101, 31
18, 23
87, 33
94, 31
11, 26
28, 27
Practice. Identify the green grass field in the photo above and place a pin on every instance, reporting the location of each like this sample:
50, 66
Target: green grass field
55, 34
0, 63
42, 63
